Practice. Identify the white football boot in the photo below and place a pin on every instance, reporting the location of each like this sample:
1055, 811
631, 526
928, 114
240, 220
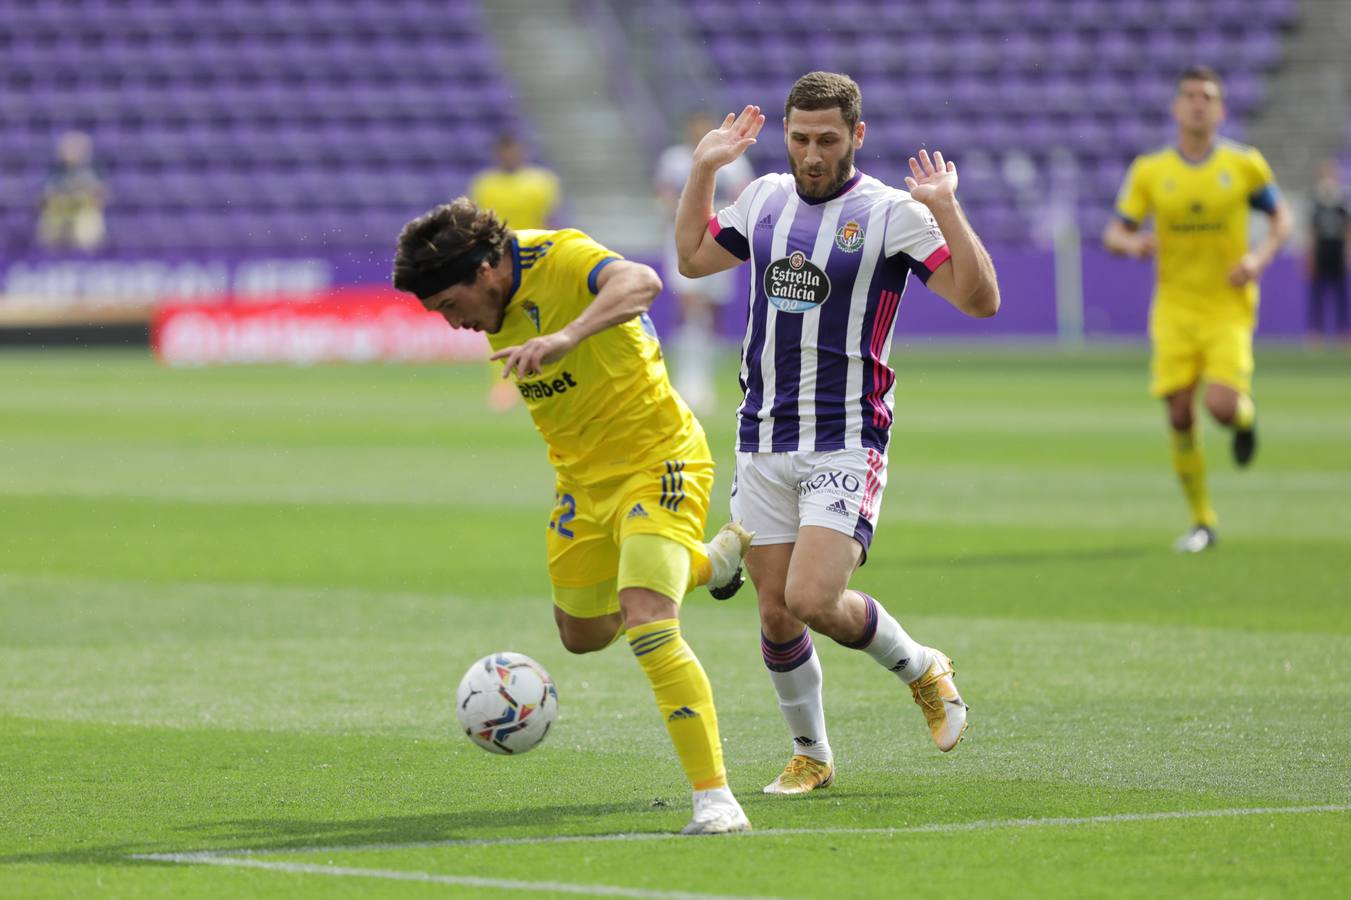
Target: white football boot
716, 812
724, 553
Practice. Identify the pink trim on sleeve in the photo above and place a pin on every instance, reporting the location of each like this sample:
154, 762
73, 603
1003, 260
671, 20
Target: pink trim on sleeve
714, 226
937, 258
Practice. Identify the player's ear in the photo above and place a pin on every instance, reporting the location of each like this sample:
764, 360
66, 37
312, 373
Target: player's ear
859, 129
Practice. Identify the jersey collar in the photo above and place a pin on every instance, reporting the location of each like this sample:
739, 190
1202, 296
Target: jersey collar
1197, 163
844, 189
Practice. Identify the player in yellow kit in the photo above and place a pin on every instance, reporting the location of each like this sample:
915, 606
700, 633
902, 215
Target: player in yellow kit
1199, 194
522, 196
568, 319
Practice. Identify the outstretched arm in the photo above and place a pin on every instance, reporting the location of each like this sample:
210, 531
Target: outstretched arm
967, 278
697, 251
624, 290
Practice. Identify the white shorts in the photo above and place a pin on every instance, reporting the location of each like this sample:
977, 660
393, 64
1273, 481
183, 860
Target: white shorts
775, 494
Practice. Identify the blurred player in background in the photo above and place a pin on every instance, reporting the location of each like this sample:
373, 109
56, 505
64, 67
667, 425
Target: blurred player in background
696, 343
831, 251
1330, 229
73, 197
568, 318
522, 196
1205, 302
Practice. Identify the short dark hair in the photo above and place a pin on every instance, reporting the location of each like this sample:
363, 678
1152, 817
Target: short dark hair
447, 245
1199, 72
827, 90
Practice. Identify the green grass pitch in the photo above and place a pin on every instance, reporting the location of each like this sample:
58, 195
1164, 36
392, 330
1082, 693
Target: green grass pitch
234, 604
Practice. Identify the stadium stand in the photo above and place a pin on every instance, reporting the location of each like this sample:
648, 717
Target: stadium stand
277, 124
1010, 88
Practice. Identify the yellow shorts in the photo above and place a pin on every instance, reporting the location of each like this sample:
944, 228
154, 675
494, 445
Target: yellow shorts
590, 522
1188, 349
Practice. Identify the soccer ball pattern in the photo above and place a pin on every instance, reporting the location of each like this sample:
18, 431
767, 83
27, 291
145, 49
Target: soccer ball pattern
506, 703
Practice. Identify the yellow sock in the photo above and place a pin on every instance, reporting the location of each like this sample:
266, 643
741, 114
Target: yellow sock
684, 697
1190, 464
1244, 413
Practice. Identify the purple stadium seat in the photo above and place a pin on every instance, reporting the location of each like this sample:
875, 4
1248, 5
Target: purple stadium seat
218, 124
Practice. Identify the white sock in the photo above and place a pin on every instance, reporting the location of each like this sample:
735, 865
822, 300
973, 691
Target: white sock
795, 671
886, 641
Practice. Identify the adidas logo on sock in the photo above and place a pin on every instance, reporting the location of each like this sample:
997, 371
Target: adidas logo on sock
839, 506
766, 222
637, 512
683, 713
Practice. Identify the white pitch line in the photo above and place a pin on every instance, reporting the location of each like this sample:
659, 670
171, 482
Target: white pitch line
939, 827
556, 887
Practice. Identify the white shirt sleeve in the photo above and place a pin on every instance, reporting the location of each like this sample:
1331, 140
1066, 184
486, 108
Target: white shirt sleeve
911, 230
736, 215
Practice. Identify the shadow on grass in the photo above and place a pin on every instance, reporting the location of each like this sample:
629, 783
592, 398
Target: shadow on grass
304, 834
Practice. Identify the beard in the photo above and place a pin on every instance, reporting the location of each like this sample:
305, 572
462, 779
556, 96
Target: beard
842, 171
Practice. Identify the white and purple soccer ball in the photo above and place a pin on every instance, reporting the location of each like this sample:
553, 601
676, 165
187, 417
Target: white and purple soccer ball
506, 703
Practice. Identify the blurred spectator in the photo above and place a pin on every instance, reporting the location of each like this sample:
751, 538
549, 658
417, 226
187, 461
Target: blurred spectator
73, 197
699, 298
1330, 230
522, 196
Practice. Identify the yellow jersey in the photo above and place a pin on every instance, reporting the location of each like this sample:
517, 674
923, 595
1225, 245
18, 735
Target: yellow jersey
606, 409
1200, 212
522, 198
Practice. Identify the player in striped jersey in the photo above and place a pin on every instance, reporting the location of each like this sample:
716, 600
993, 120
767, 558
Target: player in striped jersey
831, 250
568, 318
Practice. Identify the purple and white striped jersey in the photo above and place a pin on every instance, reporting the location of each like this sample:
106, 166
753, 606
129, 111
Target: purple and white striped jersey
826, 280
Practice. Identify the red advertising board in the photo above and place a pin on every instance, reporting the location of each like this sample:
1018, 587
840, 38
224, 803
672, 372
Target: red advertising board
345, 325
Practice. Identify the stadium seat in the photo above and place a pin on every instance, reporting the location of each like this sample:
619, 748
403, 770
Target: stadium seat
1091, 77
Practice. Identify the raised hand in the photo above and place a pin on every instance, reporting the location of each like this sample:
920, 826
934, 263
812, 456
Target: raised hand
728, 141
931, 181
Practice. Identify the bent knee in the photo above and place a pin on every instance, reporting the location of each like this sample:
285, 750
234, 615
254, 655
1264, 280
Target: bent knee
810, 604
581, 643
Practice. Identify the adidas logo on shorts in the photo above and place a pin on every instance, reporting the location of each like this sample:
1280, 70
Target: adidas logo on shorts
637, 512
839, 506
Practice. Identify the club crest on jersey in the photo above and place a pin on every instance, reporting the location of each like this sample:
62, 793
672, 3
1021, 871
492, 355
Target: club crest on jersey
532, 311
849, 237
795, 284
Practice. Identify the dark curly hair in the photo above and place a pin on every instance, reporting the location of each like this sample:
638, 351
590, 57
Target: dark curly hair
827, 90
446, 246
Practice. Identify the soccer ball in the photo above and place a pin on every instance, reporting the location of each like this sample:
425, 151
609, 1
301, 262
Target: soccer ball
506, 703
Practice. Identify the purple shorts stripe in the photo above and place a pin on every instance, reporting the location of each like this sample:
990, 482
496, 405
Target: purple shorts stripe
863, 533
787, 656
870, 630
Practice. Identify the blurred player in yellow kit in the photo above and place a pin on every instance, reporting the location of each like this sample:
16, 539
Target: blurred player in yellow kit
1204, 311
568, 319
523, 196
